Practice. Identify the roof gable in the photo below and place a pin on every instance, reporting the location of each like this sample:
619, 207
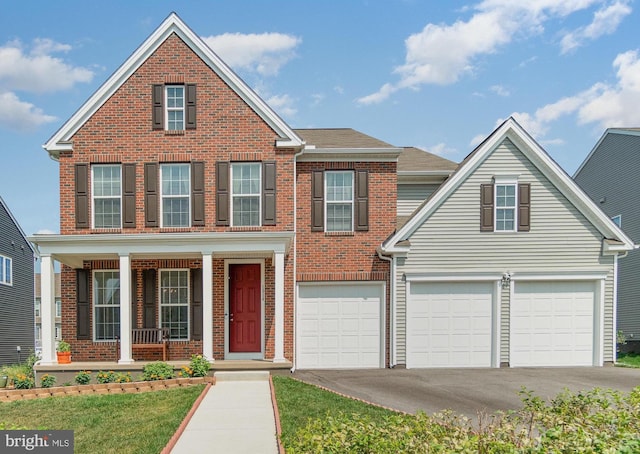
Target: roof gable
60, 141
15, 222
531, 150
633, 132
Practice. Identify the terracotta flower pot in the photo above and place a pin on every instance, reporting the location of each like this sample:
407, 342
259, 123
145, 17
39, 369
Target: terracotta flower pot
64, 357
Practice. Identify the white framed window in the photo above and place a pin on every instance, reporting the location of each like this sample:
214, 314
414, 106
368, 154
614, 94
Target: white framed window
6, 270
339, 200
175, 107
106, 303
176, 189
174, 302
246, 184
58, 307
106, 195
37, 307
617, 220
506, 203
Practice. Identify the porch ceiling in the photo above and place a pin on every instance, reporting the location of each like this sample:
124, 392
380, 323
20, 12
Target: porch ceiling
71, 250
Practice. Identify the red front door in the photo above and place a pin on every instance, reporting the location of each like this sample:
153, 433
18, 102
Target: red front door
245, 317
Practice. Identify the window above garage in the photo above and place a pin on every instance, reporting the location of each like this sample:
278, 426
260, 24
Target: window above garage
505, 205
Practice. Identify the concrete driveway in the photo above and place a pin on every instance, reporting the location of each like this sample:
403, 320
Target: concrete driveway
466, 391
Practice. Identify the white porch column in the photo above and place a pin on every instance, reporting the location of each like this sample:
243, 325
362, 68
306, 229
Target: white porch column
47, 311
207, 306
125, 310
278, 261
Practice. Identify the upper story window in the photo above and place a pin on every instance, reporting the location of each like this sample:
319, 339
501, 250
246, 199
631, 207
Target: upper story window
176, 189
175, 107
107, 196
58, 307
505, 205
37, 307
106, 302
339, 201
617, 220
246, 187
6, 270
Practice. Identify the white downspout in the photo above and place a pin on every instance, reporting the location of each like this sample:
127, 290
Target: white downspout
392, 309
615, 308
295, 253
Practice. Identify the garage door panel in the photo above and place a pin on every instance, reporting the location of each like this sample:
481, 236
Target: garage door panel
349, 326
449, 324
552, 324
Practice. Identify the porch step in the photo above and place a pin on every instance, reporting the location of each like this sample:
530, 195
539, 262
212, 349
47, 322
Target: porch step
253, 375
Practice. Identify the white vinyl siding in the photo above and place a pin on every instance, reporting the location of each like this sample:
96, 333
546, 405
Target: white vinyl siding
561, 240
411, 196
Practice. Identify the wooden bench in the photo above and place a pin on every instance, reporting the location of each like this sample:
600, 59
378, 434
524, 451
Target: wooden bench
151, 339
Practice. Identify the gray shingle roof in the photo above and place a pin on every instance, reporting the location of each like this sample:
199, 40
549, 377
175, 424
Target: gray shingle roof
415, 159
340, 138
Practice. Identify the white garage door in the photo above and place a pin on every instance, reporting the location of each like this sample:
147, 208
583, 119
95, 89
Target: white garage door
552, 324
449, 324
339, 326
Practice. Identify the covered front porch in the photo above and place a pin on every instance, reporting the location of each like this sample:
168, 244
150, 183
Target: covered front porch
205, 323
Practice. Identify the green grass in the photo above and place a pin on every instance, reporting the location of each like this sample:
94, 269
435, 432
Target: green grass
119, 423
629, 359
300, 402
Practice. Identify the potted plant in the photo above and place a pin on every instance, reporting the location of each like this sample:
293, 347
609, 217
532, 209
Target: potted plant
63, 351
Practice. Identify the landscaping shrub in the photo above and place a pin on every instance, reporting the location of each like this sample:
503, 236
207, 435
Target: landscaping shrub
198, 367
158, 370
593, 421
83, 377
105, 377
47, 381
23, 381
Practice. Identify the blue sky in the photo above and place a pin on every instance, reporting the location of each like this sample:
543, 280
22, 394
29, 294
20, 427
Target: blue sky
439, 75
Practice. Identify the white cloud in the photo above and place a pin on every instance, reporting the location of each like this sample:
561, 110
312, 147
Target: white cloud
440, 54
500, 90
263, 53
441, 149
19, 115
607, 105
317, 98
477, 140
38, 71
605, 21
283, 104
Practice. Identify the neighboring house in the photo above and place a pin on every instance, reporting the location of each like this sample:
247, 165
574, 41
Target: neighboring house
610, 176
507, 263
57, 313
188, 204
16, 290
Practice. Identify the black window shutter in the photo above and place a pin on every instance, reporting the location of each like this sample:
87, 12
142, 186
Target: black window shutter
149, 299
486, 207
151, 194
196, 304
129, 195
190, 114
158, 107
82, 195
317, 201
222, 193
524, 207
83, 305
269, 193
362, 201
197, 193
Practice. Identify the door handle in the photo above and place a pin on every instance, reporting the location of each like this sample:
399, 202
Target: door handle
230, 317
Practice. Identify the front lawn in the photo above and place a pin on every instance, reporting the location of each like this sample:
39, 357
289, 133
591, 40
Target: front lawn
629, 359
118, 423
318, 421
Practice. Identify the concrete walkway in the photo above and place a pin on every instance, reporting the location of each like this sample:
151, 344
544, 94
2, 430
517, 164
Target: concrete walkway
236, 416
